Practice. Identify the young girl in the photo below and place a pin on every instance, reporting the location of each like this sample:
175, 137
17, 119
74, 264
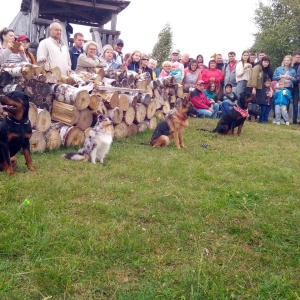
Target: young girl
176, 71
210, 92
266, 108
134, 62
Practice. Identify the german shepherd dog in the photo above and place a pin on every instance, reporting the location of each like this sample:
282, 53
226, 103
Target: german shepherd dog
235, 117
97, 144
15, 131
172, 127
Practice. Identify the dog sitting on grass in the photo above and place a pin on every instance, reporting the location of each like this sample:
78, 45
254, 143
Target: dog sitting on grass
97, 144
172, 127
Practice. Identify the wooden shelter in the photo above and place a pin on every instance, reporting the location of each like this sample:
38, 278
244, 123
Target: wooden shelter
35, 16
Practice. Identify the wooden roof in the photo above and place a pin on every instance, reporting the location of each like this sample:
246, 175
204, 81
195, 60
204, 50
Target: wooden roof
82, 12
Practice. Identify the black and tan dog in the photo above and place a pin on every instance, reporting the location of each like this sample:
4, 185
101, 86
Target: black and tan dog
15, 131
172, 127
235, 117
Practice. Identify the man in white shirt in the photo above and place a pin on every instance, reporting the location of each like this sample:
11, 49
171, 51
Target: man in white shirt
52, 52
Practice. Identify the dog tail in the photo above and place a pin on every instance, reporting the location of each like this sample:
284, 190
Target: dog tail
74, 156
144, 143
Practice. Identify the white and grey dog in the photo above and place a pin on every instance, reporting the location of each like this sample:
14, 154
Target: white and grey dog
97, 144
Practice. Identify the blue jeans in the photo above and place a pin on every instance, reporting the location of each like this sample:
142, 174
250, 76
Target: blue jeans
205, 113
241, 85
225, 107
264, 116
295, 94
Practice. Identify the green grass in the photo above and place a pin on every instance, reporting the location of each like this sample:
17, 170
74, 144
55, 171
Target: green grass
195, 223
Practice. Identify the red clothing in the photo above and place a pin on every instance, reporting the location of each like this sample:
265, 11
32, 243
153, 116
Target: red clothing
199, 100
232, 65
215, 73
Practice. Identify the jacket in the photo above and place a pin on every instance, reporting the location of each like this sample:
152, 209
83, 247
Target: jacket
199, 100
230, 75
256, 79
280, 98
282, 71
215, 73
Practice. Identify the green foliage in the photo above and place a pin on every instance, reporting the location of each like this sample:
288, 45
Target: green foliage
163, 47
220, 222
278, 29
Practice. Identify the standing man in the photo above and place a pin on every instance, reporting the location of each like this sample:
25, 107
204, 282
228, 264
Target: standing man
185, 59
175, 58
295, 90
118, 54
230, 71
219, 61
52, 52
76, 50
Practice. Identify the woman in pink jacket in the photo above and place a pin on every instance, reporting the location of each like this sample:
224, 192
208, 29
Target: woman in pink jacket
212, 75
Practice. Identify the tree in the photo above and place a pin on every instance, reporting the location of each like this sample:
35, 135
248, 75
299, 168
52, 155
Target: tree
278, 29
162, 48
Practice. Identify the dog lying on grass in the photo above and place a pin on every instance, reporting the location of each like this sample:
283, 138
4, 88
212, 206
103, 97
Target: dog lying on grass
172, 127
15, 131
97, 144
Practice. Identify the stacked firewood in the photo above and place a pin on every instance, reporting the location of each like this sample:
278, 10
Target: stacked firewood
63, 109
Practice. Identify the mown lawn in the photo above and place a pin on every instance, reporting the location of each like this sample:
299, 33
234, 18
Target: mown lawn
199, 223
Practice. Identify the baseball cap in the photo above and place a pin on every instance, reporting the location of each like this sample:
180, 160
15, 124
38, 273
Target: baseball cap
119, 41
23, 37
174, 51
200, 82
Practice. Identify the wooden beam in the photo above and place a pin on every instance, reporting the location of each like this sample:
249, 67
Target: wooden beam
89, 4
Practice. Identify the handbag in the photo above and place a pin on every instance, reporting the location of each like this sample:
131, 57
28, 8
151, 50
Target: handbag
254, 109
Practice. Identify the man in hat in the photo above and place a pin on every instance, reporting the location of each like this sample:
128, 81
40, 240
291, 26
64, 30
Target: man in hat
175, 58
205, 108
118, 54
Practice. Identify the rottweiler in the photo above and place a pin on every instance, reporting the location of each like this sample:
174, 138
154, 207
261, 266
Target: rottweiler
172, 127
235, 117
15, 131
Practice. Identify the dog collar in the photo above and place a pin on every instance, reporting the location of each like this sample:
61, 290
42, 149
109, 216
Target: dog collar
179, 117
18, 123
243, 112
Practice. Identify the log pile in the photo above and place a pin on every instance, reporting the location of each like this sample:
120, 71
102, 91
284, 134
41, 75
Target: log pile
64, 108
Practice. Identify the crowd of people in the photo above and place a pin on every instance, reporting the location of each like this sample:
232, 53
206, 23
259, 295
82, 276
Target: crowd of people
213, 88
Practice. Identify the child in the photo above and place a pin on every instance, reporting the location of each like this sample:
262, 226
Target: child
228, 99
176, 71
266, 108
282, 96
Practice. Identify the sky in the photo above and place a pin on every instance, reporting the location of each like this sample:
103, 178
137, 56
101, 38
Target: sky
199, 27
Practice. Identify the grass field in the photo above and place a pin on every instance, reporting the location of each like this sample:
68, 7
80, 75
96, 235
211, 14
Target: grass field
199, 223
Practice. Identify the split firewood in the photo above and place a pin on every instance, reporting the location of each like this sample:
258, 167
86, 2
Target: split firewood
123, 102
78, 97
151, 109
64, 113
43, 120
132, 129
116, 115
110, 100
53, 140
120, 130
33, 111
129, 115
140, 113
37, 141
151, 123
71, 136
85, 118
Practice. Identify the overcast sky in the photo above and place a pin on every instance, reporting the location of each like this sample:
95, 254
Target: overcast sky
199, 27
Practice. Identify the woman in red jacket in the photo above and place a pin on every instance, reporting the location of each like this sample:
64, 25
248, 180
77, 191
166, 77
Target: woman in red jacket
212, 75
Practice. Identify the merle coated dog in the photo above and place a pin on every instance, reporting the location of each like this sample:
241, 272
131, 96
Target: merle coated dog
15, 131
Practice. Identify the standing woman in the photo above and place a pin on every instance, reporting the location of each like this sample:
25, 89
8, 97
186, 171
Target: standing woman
286, 72
259, 74
7, 37
243, 72
191, 75
24, 40
200, 61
